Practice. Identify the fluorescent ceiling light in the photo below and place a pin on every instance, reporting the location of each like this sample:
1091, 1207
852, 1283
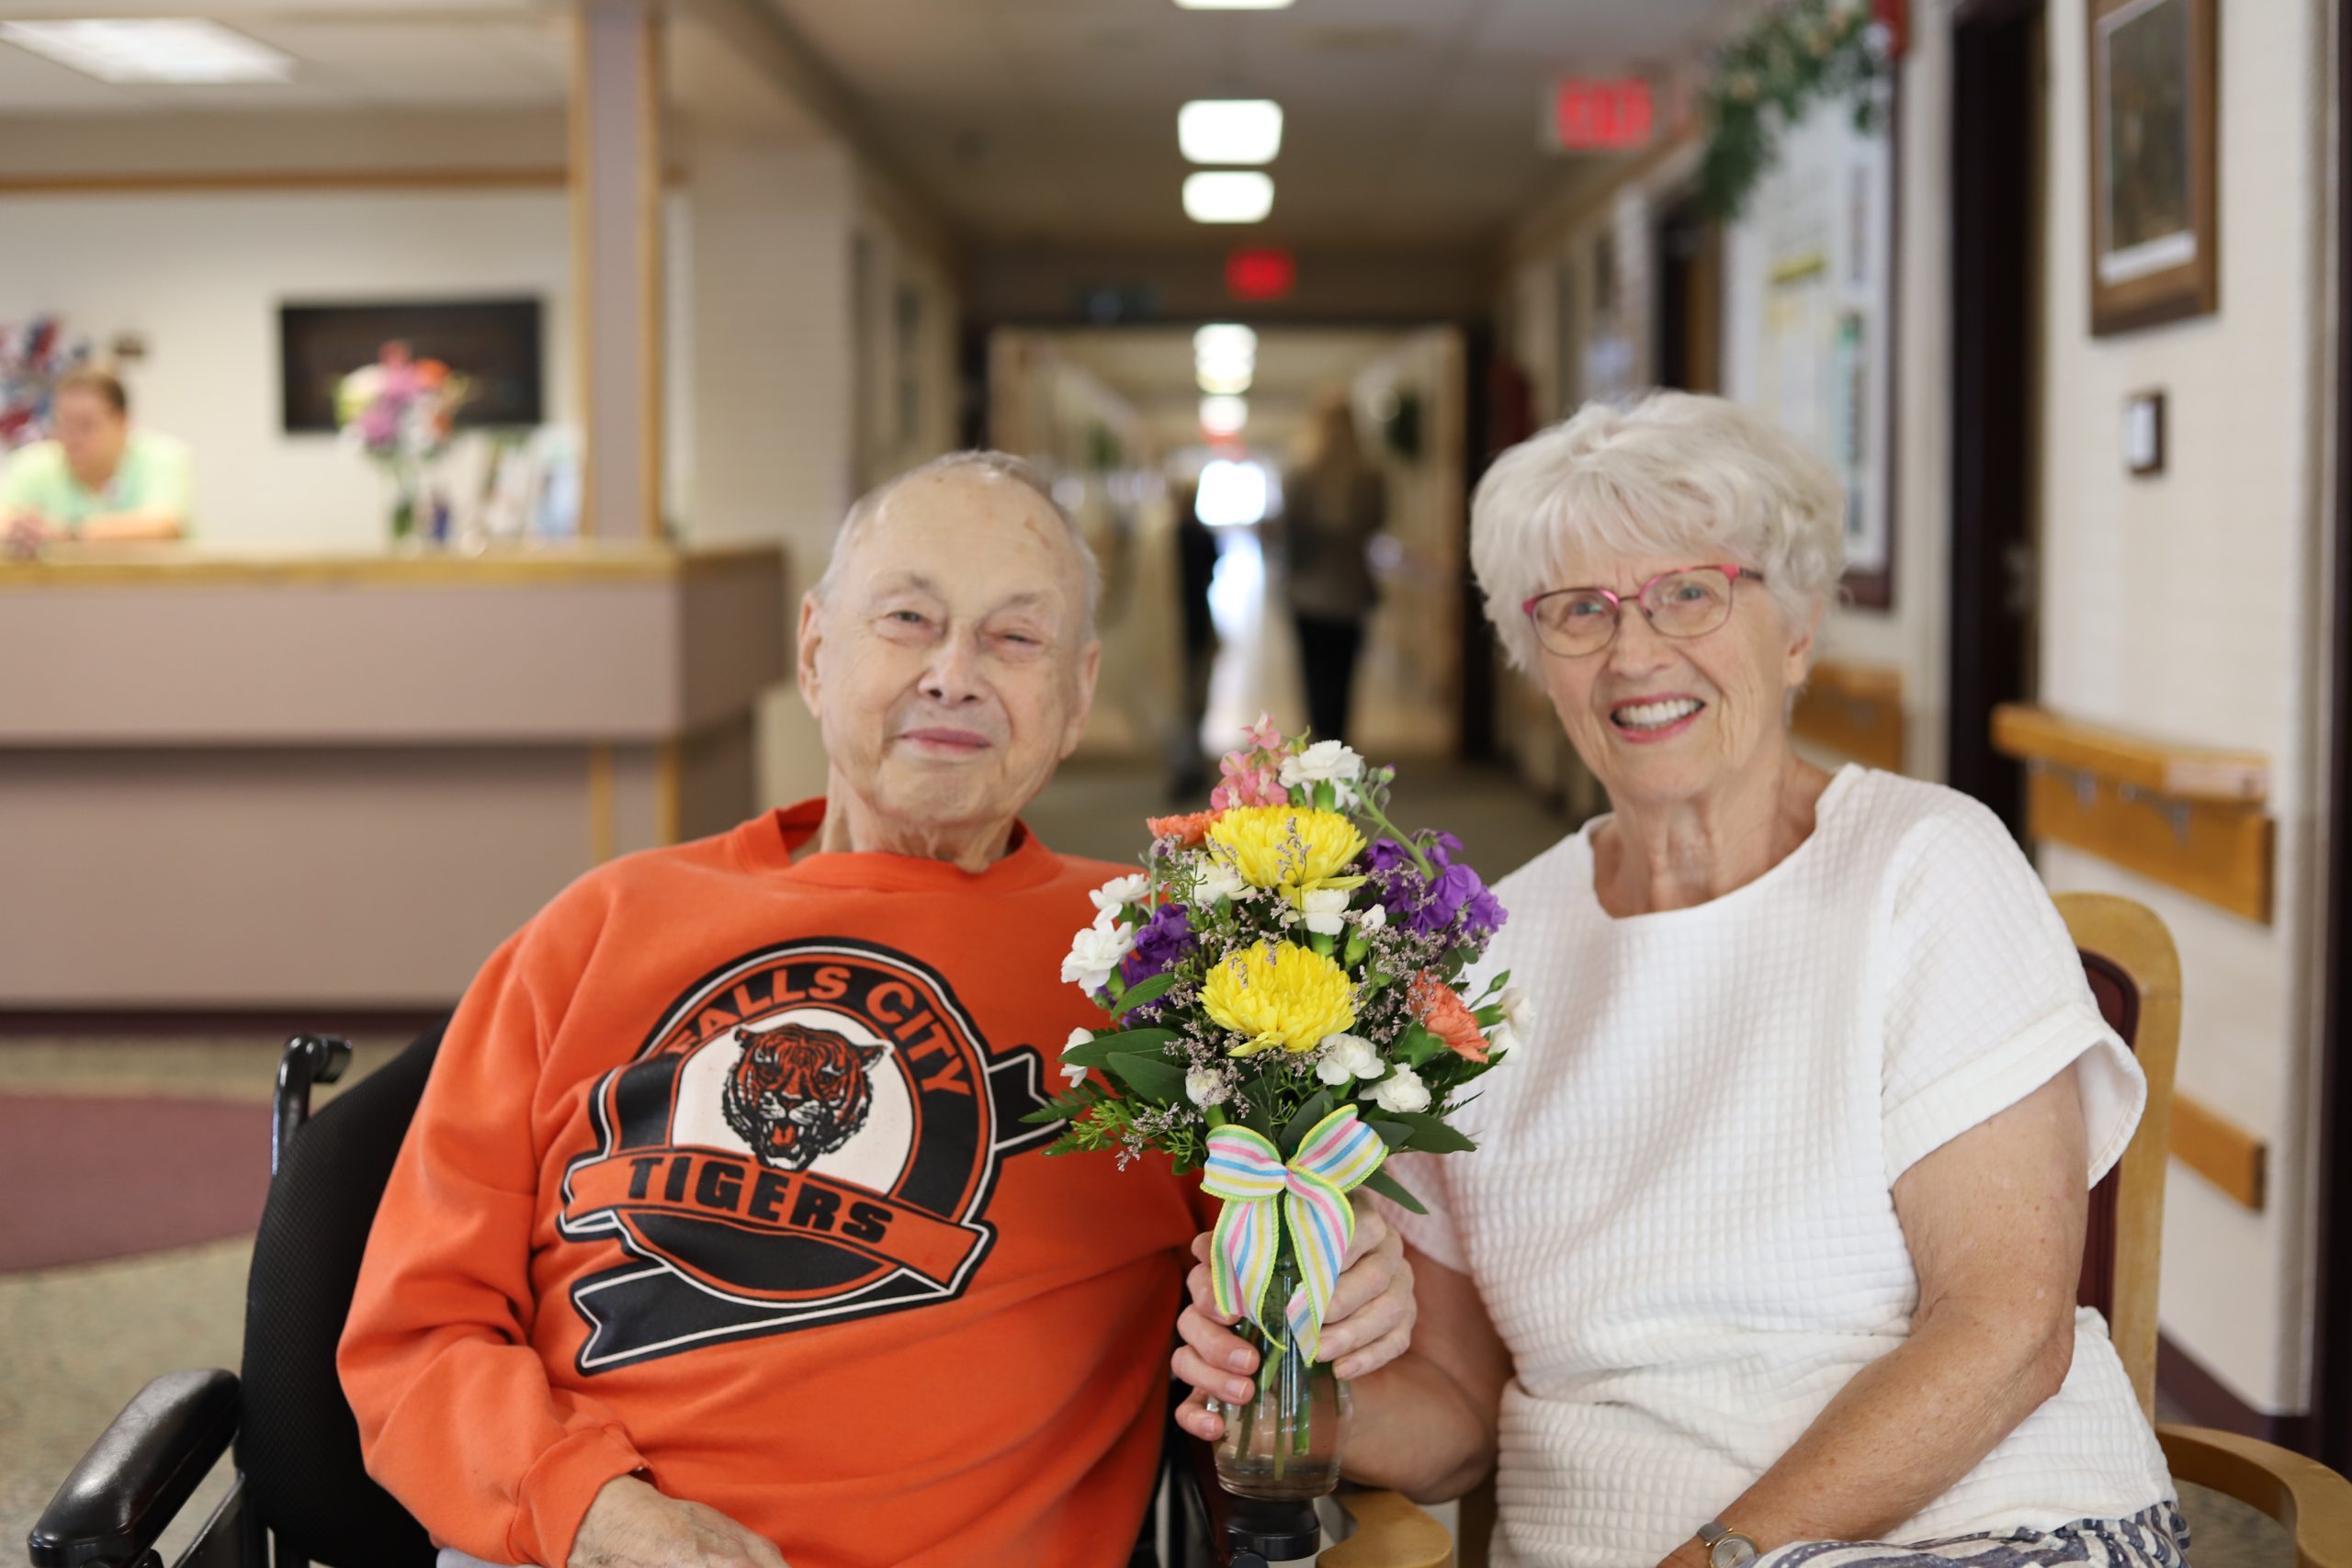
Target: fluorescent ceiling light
1227, 195
1219, 380
1233, 4
1222, 343
1230, 131
1231, 494
1224, 416
152, 49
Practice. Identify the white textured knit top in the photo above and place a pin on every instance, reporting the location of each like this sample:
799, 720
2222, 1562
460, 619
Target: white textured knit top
1681, 1216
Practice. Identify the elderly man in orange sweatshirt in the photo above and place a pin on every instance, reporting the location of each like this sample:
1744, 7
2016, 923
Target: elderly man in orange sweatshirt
718, 1239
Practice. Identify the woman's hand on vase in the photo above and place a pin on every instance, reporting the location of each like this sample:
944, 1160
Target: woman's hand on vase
1367, 1324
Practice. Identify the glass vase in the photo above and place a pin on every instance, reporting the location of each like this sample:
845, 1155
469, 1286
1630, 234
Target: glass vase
1285, 1443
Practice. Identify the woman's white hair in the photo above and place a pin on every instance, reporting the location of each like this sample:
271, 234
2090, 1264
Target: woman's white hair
1675, 474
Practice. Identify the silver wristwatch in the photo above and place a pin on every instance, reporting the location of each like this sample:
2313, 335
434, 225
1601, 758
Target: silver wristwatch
1726, 1548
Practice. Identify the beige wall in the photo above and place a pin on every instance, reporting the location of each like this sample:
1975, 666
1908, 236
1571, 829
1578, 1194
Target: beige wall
2185, 606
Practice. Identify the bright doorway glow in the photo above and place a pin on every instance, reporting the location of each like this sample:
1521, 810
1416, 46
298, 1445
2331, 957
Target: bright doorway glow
1230, 131
1232, 494
152, 49
1225, 343
1224, 416
1228, 196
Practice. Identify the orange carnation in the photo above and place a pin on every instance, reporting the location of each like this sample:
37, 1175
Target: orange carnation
1189, 831
1444, 1014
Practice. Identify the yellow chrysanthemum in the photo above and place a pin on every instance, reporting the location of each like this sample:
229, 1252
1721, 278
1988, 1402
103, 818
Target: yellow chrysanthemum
1286, 994
1287, 847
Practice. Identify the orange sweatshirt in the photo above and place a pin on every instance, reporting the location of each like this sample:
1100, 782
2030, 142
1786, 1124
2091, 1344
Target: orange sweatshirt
720, 1175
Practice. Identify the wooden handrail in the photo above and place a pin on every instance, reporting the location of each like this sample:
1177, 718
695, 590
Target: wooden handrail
2184, 772
2221, 1151
1855, 710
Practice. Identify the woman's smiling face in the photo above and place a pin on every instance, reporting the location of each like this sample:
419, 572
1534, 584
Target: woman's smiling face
1662, 719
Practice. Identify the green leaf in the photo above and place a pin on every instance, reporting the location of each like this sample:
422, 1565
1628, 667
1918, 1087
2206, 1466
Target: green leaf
1153, 1077
1098, 1052
1317, 1106
1395, 1134
1416, 1046
1431, 1136
1389, 1187
1143, 991
1261, 1120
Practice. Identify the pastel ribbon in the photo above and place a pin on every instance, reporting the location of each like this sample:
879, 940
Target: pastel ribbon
1310, 1193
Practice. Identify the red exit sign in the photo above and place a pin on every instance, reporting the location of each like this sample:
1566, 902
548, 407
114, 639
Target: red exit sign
1260, 273
1591, 116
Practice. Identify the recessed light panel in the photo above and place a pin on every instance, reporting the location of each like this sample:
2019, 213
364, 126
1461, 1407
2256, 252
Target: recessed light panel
1228, 196
1230, 131
1224, 416
152, 49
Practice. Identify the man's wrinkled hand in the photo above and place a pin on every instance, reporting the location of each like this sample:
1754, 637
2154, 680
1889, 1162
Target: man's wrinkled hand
630, 1525
1368, 1324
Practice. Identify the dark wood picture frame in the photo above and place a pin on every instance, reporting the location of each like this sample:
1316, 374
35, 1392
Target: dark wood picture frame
2170, 266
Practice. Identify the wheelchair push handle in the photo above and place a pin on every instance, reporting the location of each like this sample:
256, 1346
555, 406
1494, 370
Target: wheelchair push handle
307, 1059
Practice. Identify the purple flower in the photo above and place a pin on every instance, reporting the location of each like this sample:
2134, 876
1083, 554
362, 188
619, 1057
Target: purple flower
1452, 896
1162, 943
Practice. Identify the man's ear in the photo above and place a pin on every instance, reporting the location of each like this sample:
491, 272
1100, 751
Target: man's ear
812, 637
1090, 667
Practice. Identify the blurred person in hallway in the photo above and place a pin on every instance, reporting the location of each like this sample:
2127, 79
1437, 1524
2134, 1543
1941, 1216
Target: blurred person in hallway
718, 1240
1196, 572
1775, 1245
98, 478
1333, 505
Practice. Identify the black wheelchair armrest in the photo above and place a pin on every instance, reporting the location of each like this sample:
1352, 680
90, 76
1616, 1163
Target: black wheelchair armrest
1245, 1532
139, 1474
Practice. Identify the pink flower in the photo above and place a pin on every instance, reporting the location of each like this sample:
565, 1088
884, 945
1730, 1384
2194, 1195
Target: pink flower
1251, 778
1262, 735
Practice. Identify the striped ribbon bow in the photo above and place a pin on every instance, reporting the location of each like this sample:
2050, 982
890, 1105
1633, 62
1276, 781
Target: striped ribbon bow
1260, 1191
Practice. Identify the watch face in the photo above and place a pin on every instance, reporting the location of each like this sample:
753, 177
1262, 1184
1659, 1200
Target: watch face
1732, 1552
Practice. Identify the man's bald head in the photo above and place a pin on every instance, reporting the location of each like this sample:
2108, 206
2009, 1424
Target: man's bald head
986, 466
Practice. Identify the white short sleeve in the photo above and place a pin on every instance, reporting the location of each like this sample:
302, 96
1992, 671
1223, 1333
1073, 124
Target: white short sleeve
1434, 1234
1986, 1001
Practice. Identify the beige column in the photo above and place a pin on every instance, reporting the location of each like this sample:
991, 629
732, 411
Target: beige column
617, 162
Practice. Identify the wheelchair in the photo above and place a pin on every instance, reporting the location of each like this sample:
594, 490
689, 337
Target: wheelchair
299, 1494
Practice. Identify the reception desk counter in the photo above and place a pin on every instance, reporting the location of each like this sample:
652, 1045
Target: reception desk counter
249, 780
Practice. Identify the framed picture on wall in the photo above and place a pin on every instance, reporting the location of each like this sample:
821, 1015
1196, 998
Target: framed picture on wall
495, 343
2154, 235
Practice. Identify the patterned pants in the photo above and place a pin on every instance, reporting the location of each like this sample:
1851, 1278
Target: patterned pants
2154, 1538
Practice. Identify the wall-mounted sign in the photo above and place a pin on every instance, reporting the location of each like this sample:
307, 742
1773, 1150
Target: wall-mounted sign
1600, 116
1261, 274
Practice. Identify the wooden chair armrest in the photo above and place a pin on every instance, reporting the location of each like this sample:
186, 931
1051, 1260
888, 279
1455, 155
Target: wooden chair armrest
1391, 1532
2311, 1500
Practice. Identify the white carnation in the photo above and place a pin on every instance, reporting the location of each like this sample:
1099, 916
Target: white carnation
1325, 911
1502, 1037
1326, 762
1071, 1070
1402, 1091
1518, 1012
1219, 880
1371, 920
1120, 892
1204, 1086
1347, 1057
1095, 952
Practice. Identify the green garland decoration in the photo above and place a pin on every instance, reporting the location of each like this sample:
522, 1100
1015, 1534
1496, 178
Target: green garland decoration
1807, 51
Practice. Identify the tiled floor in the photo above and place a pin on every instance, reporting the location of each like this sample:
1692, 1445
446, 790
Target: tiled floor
76, 1343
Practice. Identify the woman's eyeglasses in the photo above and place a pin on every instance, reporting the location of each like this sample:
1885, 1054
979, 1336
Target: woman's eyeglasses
1690, 601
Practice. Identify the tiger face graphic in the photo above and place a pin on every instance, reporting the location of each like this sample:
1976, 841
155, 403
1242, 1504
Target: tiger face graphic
798, 1092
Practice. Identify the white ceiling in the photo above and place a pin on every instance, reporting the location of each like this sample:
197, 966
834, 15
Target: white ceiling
1054, 122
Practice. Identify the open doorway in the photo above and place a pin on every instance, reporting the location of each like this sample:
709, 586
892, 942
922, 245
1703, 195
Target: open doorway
1995, 199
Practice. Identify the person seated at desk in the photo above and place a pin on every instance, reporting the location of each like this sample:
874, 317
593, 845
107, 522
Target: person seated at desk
98, 478
717, 1241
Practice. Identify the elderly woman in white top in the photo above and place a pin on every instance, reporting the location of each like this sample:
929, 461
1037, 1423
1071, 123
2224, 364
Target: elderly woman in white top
1771, 1245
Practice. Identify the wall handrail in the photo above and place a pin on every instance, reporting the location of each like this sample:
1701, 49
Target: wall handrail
2182, 773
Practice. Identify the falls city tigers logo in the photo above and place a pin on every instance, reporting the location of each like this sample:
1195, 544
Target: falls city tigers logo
796, 1093
810, 1134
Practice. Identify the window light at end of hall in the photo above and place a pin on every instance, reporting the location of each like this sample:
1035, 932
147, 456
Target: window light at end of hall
1230, 131
1225, 343
1231, 494
1224, 416
1228, 196
152, 49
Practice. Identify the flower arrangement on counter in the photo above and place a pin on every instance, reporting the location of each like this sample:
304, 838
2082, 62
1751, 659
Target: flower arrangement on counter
33, 355
400, 412
1283, 986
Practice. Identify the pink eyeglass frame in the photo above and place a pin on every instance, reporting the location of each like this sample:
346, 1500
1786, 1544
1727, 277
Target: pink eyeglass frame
1732, 574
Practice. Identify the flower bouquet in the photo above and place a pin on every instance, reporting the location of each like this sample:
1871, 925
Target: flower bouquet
1283, 984
400, 412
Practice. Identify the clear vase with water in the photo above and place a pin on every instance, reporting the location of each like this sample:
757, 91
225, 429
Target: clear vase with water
1286, 1442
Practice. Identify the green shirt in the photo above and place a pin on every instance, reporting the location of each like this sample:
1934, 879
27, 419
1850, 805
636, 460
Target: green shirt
154, 471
